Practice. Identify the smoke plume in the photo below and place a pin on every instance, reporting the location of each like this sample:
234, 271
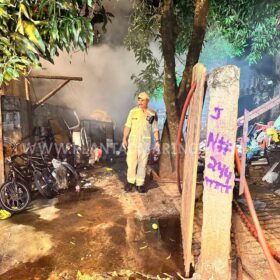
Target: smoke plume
106, 70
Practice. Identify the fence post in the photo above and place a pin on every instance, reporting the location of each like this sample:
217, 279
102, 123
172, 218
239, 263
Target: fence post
190, 163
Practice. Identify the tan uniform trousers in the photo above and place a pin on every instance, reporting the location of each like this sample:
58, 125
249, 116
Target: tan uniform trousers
137, 158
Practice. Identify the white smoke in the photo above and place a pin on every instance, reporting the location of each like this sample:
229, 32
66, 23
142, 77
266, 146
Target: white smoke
106, 70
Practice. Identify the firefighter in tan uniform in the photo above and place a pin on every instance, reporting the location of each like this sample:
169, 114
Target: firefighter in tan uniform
140, 125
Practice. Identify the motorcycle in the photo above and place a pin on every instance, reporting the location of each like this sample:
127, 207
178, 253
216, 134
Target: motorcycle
15, 193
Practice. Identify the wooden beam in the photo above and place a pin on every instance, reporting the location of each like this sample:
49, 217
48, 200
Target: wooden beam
261, 109
49, 95
223, 86
190, 163
55, 77
26, 84
244, 152
27, 89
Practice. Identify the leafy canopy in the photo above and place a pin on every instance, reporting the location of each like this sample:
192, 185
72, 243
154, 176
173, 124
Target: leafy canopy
31, 29
237, 28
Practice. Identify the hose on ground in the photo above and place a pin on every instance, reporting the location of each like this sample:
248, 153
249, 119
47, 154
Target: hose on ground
257, 228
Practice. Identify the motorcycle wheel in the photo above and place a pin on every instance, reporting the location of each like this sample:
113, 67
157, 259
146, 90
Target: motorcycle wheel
72, 175
45, 183
14, 197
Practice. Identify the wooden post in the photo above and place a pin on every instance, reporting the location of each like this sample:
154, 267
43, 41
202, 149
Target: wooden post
27, 89
2, 165
244, 152
29, 110
26, 85
223, 85
190, 163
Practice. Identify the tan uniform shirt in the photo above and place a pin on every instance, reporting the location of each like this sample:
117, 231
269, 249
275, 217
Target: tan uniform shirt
142, 124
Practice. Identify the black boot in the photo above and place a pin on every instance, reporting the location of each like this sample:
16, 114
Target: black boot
128, 187
142, 189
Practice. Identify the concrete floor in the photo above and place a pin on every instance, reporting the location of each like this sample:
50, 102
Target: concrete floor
101, 229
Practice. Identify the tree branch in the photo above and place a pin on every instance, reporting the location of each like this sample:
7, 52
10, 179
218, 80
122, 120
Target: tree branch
198, 34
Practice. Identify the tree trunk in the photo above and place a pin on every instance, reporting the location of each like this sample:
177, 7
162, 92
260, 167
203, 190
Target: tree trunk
173, 102
198, 34
168, 35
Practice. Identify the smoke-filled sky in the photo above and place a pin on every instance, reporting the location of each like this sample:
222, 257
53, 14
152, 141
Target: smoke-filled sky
106, 70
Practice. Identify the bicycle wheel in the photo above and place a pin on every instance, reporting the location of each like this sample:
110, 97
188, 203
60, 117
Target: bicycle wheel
45, 183
14, 197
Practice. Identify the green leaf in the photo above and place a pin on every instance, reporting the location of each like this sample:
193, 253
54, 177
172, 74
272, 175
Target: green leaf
23, 9
33, 35
54, 31
3, 13
24, 44
20, 27
76, 29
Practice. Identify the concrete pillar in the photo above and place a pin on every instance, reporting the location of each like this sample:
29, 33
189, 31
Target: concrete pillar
223, 85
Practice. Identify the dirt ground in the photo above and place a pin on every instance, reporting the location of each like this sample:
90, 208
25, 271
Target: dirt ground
100, 229
251, 257
102, 232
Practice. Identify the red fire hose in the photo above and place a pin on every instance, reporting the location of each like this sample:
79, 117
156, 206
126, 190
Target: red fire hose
253, 230
256, 230
179, 134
